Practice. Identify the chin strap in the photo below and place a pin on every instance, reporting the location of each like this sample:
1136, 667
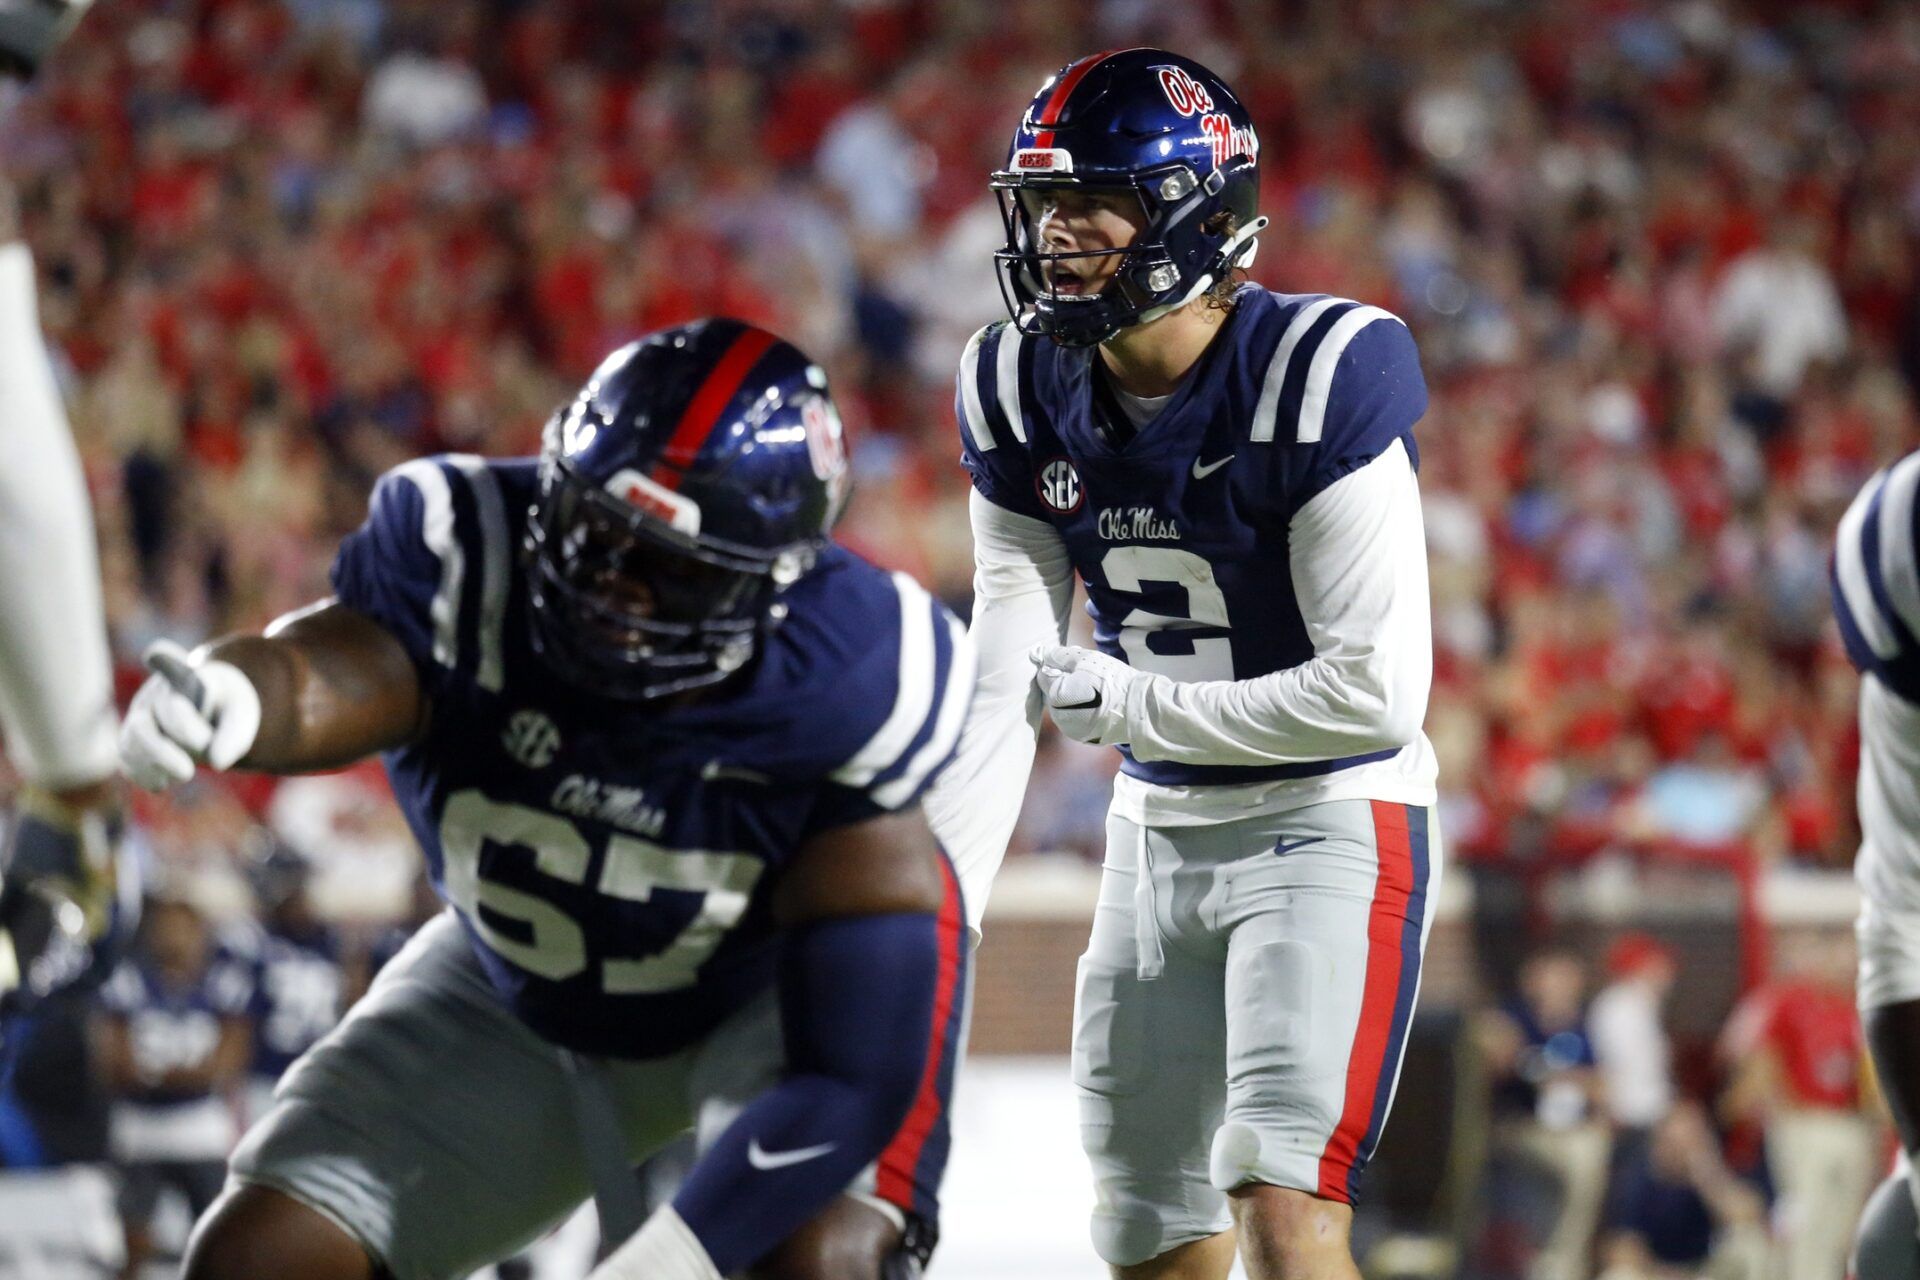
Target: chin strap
1238, 251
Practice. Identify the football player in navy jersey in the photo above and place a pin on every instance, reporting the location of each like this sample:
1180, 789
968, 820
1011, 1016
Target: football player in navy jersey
1231, 474
300, 978
174, 1039
1876, 602
662, 743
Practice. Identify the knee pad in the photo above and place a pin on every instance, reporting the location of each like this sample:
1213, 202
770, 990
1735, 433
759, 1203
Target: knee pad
1886, 1246
1127, 1240
1236, 1156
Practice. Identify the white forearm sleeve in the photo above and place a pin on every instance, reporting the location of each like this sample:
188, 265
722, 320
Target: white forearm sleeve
1358, 556
1022, 593
56, 691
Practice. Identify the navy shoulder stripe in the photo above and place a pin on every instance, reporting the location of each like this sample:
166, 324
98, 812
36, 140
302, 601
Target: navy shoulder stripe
990, 402
1299, 378
1876, 577
434, 563
932, 687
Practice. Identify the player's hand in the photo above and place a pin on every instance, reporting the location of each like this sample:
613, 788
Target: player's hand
1086, 692
190, 711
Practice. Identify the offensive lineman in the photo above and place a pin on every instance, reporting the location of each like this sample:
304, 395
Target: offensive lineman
1231, 473
1876, 601
661, 742
61, 914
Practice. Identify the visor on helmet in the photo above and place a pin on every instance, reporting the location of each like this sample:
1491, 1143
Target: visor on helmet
629, 606
1145, 276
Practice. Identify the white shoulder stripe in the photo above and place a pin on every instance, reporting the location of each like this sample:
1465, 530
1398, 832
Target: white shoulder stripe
437, 531
976, 418
1313, 401
495, 564
1850, 566
1898, 569
914, 700
1006, 373
1269, 406
946, 730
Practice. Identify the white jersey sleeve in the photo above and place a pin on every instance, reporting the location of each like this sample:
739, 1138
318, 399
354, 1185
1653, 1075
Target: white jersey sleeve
1358, 559
56, 687
1023, 591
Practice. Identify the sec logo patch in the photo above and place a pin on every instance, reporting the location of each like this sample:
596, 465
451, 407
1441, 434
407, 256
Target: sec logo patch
531, 738
1059, 487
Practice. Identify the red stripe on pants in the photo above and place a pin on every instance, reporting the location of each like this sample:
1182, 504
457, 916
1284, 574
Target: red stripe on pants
898, 1162
1367, 1067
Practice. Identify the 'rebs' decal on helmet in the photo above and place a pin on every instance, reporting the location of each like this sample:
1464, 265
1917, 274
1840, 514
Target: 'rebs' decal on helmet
1149, 126
681, 513
1043, 160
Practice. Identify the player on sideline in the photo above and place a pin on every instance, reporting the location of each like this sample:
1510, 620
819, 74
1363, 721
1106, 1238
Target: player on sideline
60, 913
1231, 473
1876, 600
662, 743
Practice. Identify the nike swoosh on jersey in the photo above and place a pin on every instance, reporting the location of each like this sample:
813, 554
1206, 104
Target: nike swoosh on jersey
1288, 846
762, 1159
1088, 705
1201, 473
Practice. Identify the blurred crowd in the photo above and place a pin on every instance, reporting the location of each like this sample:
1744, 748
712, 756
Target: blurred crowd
1617, 1148
1660, 259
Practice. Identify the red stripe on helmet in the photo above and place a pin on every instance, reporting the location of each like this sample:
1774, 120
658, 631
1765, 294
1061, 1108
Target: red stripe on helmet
703, 410
1057, 100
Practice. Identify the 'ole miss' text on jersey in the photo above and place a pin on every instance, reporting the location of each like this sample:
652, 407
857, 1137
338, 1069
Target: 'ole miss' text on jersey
613, 862
1180, 529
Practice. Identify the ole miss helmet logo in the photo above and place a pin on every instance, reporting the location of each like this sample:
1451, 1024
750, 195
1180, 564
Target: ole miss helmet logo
827, 449
1190, 98
1187, 95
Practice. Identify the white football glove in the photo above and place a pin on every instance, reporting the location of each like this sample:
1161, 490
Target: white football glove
172, 725
1087, 693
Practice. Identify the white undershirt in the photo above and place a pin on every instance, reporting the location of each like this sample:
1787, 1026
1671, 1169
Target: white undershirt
1358, 565
1140, 410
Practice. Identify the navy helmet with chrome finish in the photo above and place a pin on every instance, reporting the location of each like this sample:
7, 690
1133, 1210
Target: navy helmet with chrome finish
1141, 121
694, 479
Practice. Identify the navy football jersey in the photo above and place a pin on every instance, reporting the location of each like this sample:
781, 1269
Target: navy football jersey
174, 1026
1179, 529
299, 986
612, 862
1875, 578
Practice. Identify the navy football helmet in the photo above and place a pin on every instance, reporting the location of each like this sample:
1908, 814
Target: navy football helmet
1162, 129
693, 480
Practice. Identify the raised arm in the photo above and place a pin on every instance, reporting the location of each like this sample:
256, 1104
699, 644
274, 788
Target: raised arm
322, 688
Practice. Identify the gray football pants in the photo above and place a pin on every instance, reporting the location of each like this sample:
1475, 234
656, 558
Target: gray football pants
439, 1132
1242, 1010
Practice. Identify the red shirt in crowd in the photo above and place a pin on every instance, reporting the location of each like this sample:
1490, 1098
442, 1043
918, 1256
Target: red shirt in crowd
1814, 1033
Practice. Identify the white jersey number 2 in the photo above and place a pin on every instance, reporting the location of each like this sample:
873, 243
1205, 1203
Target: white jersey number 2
1128, 569
552, 944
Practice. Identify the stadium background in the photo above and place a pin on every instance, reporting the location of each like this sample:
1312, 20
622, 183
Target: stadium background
1660, 261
